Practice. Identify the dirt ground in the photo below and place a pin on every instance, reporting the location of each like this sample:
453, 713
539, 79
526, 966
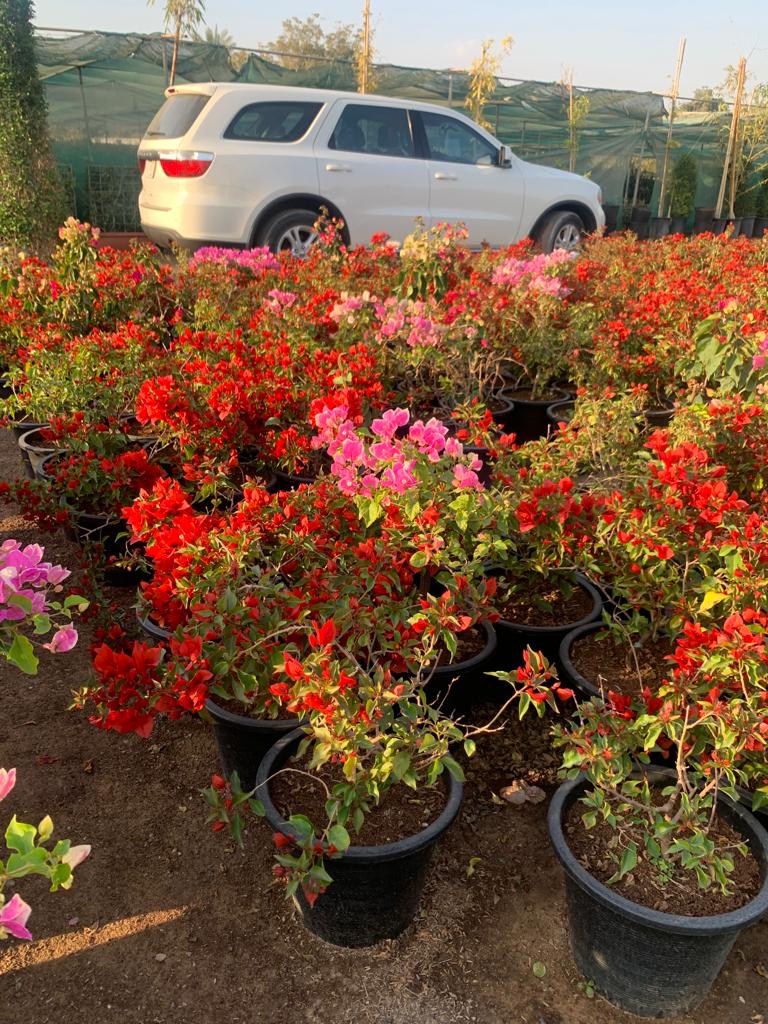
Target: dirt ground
168, 923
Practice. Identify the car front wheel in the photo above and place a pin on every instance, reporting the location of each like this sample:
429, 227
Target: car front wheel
292, 231
561, 230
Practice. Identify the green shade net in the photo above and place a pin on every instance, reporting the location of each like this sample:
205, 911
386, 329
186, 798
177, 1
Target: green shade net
104, 88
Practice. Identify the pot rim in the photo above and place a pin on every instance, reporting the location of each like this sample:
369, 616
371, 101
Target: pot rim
359, 854
679, 924
492, 642
150, 626
560, 395
590, 617
221, 714
23, 441
564, 654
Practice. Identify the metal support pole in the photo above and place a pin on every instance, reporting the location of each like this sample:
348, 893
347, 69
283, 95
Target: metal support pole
82, 100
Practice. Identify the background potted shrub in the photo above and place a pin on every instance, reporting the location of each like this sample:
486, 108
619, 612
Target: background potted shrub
682, 193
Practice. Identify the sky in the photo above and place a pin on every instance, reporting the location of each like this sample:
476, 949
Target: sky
608, 44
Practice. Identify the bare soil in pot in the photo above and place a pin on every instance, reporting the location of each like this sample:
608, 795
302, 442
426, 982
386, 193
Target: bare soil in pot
681, 894
403, 812
469, 643
620, 666
544, 602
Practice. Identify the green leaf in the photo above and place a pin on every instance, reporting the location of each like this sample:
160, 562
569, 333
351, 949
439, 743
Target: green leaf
22, 655
419, 559
539, 969
19, 601
454, 768
469, 747
338, 837
20, 837
42, 624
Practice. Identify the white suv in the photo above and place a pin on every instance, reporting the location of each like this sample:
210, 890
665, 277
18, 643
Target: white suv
249, 165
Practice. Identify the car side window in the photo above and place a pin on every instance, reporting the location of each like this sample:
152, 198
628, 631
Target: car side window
273, 122
381, 131
455, 142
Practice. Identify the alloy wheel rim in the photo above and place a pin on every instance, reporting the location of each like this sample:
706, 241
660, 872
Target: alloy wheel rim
297, 240
568, 237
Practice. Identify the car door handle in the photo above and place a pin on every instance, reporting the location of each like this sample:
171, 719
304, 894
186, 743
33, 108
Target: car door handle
442, 176
338, 167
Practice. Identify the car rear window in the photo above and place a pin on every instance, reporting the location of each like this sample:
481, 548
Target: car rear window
273, 122
177, 115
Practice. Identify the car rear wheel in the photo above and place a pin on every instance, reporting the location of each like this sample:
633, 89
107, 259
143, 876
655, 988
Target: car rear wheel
561, 230
292, 231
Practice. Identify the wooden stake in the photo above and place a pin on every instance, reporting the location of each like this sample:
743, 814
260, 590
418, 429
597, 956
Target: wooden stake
730, 154
366, 56
675, 93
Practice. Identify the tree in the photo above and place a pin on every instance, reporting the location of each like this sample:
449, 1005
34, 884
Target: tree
305, 38
483, 77
182, 17
704, 98
216, 36
31, 195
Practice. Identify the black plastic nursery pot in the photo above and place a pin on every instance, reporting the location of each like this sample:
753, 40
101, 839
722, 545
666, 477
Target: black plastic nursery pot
747, 227
646, 961
528, 418
243, 741
760, 227
678, 226
567, 671
289, 481
703, 218
514, 637
35, 449
152, 629
20, 430
659, 227
457, 688
560, 412
376, 889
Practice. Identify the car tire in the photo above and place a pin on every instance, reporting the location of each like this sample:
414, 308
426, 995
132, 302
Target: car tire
290, 231
561, 229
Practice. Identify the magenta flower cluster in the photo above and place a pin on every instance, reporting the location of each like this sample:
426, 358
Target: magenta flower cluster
258, 261
24, 580
537, 274
388, 458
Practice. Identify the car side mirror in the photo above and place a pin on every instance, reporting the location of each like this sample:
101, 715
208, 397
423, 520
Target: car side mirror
505, 156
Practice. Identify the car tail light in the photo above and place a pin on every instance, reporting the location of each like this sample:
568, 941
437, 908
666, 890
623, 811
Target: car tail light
185, 164
142, 164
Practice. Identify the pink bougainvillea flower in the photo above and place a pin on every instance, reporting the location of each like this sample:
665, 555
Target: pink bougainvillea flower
7, 781
76, 855
63, 640
13, 918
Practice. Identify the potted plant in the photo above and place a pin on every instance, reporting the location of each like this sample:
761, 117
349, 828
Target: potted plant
761, 210
356, 799
529, 296
745, 203
682, 193
663, 869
